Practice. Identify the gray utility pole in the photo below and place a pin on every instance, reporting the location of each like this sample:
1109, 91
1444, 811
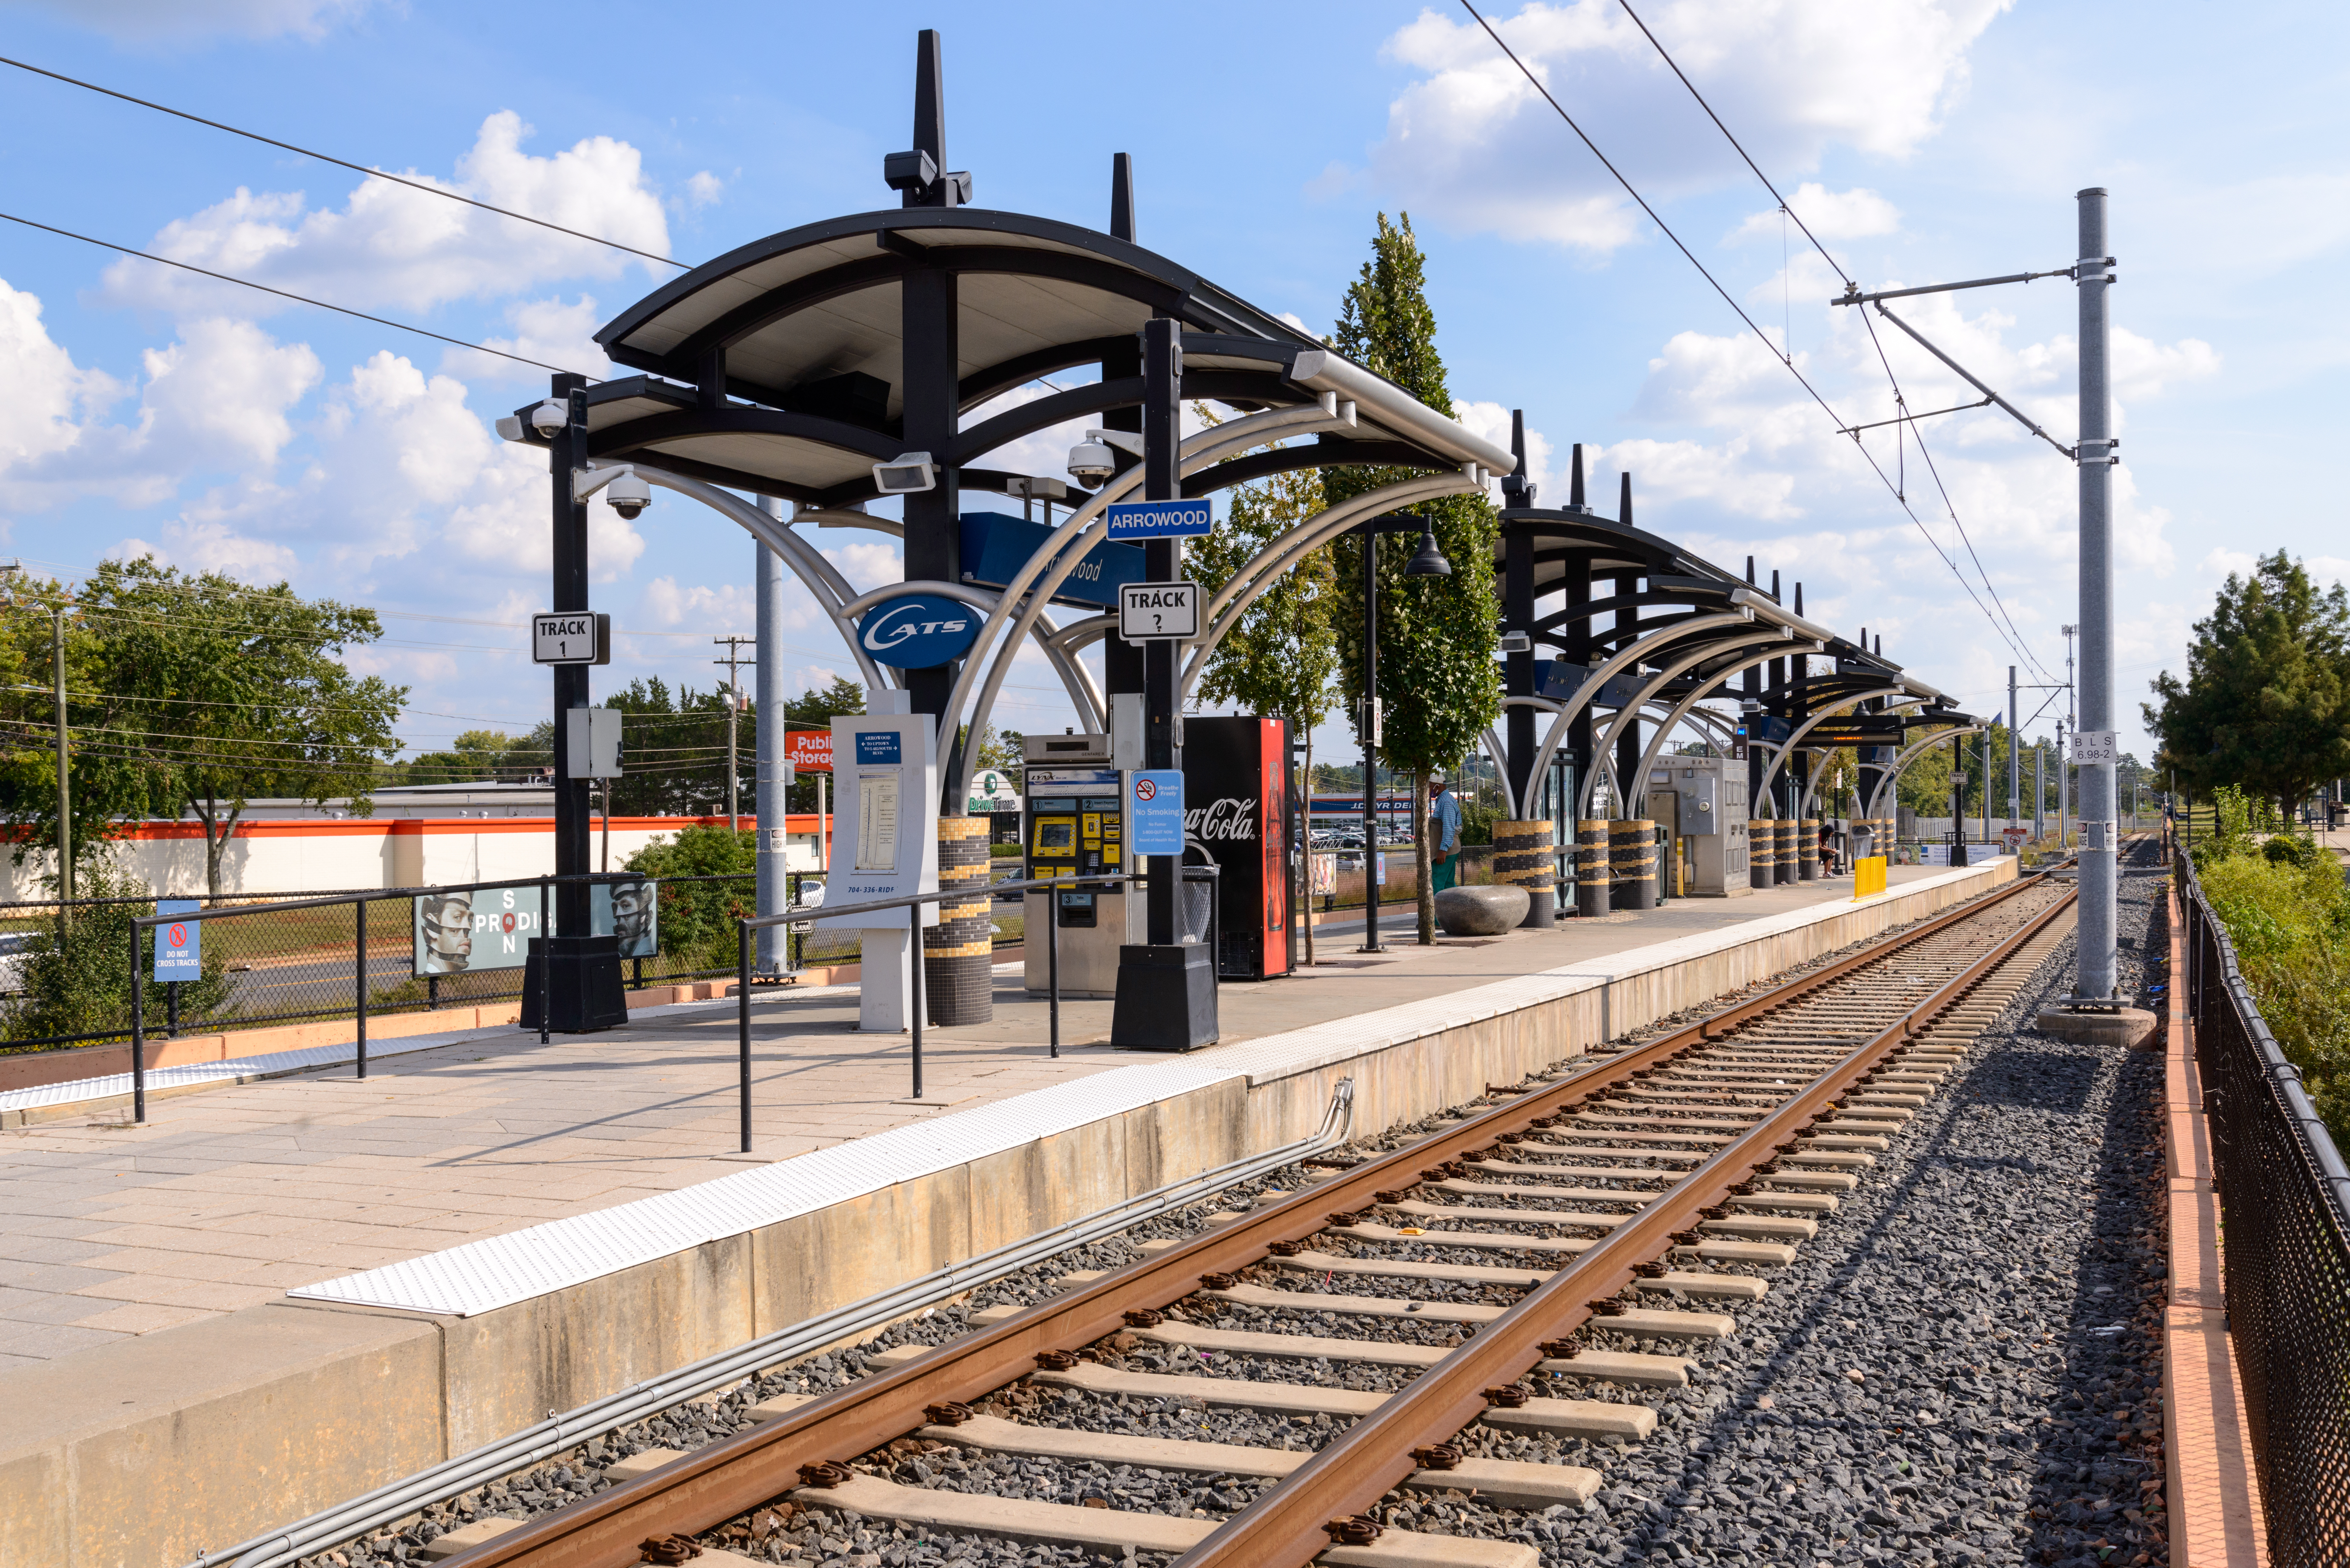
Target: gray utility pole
772, 767
2014, 761
2064, 801
733, 643
2093, 275
65, 763
2039, 787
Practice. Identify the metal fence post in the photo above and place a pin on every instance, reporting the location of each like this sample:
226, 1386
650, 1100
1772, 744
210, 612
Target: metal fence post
137, 1024
545, 980
170, 1010
742, 1026
359, 923
914, 923
1052, 963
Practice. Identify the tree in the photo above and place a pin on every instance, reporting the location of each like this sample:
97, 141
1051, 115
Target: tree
195, 692
104, 786
1280, 658
1437, 636
2266, 702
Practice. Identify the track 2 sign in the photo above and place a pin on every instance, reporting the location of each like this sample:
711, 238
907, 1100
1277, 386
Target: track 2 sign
1159, 610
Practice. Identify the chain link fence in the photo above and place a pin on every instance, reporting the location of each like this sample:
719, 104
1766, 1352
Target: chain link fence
65, 968
2285, 1212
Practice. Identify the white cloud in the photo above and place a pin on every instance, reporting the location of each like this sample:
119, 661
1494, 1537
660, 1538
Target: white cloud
1830, 214
1473, 144
389, 245
221, 394
547, 332
146, 20
730, 607
49, 396
703, 188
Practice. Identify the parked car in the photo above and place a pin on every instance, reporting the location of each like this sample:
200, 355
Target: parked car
14, 945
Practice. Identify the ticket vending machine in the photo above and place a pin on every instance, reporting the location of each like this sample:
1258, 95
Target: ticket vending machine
1073, 824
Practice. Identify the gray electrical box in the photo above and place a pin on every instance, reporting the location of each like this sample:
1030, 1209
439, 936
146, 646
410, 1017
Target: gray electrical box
1712, 797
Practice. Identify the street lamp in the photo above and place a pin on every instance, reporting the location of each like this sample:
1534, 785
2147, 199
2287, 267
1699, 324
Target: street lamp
1429, 563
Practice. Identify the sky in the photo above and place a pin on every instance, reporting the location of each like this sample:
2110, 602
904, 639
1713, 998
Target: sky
148, 411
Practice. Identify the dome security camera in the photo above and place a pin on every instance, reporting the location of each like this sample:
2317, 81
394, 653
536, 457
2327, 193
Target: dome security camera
1090, 463
549, 416
629, 496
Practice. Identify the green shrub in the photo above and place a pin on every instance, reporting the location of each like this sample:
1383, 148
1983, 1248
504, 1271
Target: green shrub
2289, 918
697, 919
77, 970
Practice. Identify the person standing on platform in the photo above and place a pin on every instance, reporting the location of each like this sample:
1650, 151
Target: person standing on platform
1827, 851
1444, 833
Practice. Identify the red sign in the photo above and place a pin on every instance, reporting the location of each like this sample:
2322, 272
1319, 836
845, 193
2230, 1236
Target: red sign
810, 750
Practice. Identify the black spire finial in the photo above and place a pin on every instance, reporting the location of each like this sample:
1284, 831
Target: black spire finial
1575, 480
1624, 500
1799, 598
1775, 583
917, 172
1749, 571
1515, 486
1122, 196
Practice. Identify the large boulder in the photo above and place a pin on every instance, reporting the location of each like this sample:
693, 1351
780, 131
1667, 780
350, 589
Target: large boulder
1483, 911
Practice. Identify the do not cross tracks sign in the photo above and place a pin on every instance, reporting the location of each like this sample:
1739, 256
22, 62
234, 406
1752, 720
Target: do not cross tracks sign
1159, 611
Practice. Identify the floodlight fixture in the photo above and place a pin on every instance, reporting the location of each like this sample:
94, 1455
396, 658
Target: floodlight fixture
906, 474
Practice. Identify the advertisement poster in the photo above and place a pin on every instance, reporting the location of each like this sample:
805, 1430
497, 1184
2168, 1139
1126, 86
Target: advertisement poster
490, 927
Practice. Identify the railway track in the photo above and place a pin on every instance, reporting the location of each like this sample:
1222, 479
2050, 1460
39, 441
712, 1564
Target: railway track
1460, 1318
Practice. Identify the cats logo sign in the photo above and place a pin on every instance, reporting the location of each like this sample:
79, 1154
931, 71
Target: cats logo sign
918, 631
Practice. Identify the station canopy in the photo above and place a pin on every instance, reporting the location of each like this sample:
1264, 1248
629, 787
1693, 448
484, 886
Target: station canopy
782, 367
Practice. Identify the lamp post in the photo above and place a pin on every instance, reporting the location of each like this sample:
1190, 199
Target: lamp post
1429, 562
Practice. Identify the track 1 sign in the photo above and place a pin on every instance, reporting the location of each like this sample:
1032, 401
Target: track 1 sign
571, 637
1159, 610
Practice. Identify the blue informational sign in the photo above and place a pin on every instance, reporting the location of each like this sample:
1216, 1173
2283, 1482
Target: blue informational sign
1160, 519
919, 631
179, 944
994, 548
1155, 812
879, 749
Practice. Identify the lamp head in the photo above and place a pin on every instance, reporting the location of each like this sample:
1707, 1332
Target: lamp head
1429, 562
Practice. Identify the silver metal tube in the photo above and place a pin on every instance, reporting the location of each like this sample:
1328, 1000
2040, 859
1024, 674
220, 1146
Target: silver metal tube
2094, 977
553, 1436
768, 796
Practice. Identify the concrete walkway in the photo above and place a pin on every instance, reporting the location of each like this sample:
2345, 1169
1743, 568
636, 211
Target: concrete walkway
230, 1197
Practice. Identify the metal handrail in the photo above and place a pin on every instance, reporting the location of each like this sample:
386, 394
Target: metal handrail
983, 890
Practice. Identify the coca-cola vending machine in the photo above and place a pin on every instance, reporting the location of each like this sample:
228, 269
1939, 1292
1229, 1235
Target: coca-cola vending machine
1237, 808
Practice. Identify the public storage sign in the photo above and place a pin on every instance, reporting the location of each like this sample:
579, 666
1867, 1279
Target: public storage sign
810, 751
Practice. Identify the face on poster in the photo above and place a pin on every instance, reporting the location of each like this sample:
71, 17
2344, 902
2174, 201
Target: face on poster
490, 927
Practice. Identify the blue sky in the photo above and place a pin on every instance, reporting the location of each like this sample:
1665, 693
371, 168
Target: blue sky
1923, 140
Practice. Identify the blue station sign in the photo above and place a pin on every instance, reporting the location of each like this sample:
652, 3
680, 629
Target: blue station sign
994, 548
918, 631
1160, 519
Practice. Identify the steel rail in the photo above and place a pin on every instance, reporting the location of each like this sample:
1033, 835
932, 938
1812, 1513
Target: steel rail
1285, 1527
736, 1474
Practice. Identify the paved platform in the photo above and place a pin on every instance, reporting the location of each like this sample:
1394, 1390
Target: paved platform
230, 1197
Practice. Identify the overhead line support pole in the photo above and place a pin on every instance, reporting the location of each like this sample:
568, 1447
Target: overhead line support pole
2098, 859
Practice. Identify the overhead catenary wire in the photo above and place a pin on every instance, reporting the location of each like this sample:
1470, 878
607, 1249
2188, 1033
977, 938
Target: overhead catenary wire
1786, 211
337, 163
288, 294
1760, 337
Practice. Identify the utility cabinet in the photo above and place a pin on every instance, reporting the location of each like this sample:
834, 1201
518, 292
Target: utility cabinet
1711, 797
1073, 825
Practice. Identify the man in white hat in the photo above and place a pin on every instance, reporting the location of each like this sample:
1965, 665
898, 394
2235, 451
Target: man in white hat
1443, 832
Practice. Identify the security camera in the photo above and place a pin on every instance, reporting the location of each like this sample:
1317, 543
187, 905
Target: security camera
549, 416
629, 495
909, 473
1090, 463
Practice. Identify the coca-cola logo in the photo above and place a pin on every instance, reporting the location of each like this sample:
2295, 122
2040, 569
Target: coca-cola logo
1227, 818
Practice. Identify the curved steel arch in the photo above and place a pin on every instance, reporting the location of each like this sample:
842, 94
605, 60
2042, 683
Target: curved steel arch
1902, 761
1602, 674
1707, 686
1605, 747
1805, 728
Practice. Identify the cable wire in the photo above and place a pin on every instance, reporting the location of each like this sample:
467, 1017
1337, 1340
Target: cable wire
1739, 310
296, 299
337, 163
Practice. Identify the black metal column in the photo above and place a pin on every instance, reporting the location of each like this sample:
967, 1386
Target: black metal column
1166, 986
1370, 730
930, 384
1518, 616
1122, 661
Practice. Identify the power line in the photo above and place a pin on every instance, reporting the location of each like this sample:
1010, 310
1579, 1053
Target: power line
337, 163
1739, 310
284, 294
1900, 404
